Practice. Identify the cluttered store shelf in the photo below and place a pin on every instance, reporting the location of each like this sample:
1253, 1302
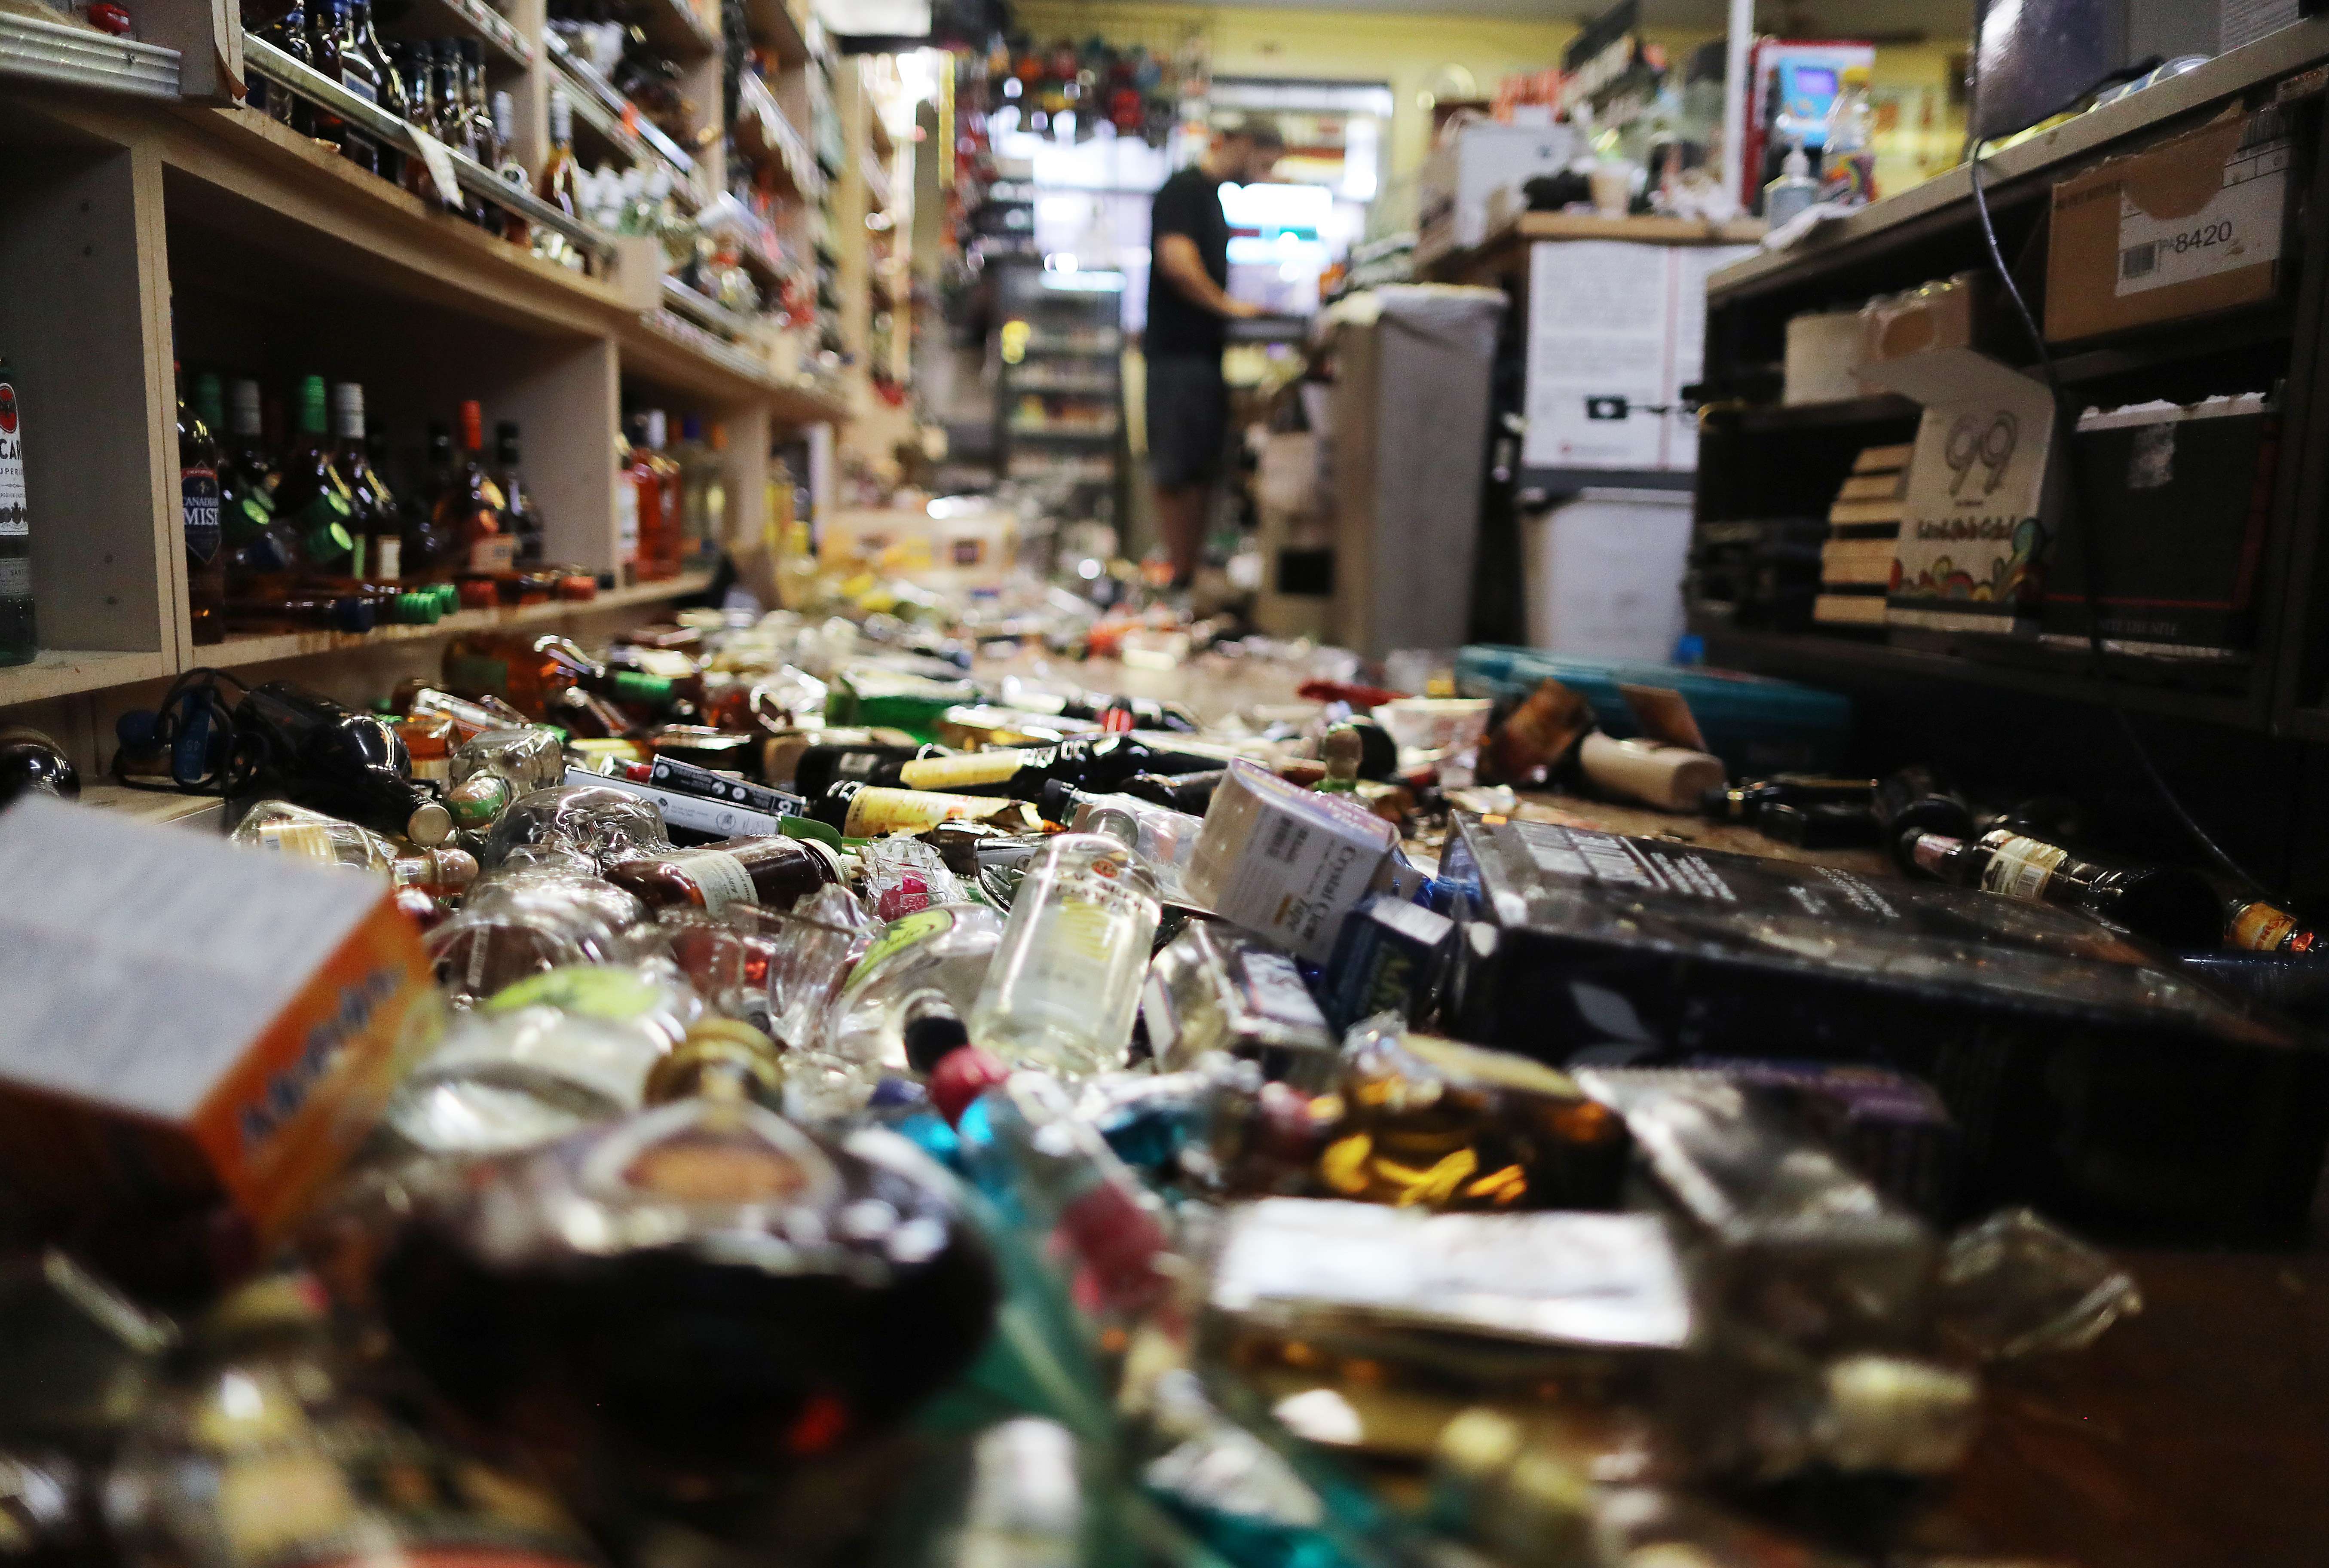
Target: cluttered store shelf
992, 1080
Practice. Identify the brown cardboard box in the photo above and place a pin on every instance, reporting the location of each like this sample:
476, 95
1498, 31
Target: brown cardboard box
1948, 313
2192, 225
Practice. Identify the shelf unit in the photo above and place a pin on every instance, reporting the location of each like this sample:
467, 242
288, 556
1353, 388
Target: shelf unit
1758, 460
1060, 352
141, 224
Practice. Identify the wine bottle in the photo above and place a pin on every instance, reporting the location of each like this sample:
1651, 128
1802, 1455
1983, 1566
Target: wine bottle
2167, 904
775, 871
312, 750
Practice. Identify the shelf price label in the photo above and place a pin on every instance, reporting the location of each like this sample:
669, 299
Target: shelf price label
440, 164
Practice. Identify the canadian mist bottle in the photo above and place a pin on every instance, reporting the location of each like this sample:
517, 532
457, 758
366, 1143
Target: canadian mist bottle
19, 638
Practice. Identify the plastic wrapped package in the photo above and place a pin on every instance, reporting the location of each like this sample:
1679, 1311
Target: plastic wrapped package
1794, 1244
1215, 988
2014, 1285
603, 823
488, 772
517, 923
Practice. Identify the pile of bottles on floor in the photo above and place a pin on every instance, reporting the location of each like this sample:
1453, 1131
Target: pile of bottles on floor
884, 1113
303, 530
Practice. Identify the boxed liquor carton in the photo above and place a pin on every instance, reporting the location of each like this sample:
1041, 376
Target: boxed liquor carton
2087, 1075
189, 1024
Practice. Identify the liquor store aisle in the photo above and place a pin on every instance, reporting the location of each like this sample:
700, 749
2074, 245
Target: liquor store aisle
788, 784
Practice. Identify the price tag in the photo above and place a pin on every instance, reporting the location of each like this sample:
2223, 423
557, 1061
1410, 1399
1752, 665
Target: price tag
440, 164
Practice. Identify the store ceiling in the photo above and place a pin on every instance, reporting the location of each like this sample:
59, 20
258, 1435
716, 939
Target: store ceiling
1881, 19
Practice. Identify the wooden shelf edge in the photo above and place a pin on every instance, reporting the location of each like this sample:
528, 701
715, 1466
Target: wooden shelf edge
63, 672
239, 652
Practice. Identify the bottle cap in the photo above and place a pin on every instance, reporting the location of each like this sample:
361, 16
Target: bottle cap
312, 416
634, 687
429, 824
247, 520
932, 1030
419, 609
963, 1076
242, 405
327, 541
478, 594
352, 615
478, 800
720, 1058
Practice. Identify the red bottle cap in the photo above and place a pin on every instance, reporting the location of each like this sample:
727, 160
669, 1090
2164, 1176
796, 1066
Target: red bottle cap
478, 592
961, 1077
473, 426
578, 587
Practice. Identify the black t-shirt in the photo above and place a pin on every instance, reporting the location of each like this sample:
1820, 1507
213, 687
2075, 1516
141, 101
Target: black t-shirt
1190, 204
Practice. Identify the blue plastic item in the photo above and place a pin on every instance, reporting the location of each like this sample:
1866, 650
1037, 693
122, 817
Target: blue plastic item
1756, 725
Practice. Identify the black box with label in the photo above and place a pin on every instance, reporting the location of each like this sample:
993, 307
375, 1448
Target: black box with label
2090, 1077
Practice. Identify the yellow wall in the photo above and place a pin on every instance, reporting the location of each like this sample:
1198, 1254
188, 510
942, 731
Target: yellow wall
1412, 51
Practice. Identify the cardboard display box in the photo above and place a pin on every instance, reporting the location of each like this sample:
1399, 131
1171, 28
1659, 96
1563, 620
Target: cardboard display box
2089, 1076
2198, 224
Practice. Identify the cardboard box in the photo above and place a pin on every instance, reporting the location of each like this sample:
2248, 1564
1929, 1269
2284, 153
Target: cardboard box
2195, 224
1824, 348
188, 1022
2181, 497
1949, 313
2088, 1076
1458, 190
1983, 494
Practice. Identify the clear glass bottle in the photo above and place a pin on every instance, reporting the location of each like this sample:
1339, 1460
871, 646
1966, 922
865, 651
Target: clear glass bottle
1066, 980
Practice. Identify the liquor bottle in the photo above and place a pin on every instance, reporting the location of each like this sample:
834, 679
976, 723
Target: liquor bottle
1744, 800
557, 185
721, 1059
471, 717
491, 770
1097, 764
1536, 737
552, 681
514, 229
313, 494
775, 871
249, 471
699, 480
315, 753
1340, 750
624, 1281
2167, 904
468, 510
428, 554
653, 481
416, 70
1065, 982
2257, 927
1189, 792
870, 811
281, 828
1913, 802
20, 640
374, 515
365, 74
518, 515
627, 511
288, 33
299, 609
1145, 712
884, 1017
326, 26
449, 116
393, 93
475, 104
198, 514
31, 764
818, 768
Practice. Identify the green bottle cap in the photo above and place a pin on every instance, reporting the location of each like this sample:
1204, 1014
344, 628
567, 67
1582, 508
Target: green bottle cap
314, 412
264, 500
633, 687
327, 540
418, 609
209, 402
478, 800
449, 598
328, 506
247, 520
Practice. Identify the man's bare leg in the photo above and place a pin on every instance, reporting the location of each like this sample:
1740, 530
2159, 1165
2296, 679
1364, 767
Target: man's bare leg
1180, 524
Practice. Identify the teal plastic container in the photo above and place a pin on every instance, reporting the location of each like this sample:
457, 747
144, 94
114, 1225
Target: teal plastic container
1756, 725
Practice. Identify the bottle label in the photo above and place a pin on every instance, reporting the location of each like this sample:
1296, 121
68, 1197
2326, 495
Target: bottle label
198, 495
15, 520
2261, 929
387, 557
995, 766
307, 840
15, 576
1082, 929
901, 934
718, 877
361, 87
497, 552
1274, 987
877, 813
2020, 867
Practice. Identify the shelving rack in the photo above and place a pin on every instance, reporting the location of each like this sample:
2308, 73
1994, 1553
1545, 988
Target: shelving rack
1759, 459
146, 217
1061, 352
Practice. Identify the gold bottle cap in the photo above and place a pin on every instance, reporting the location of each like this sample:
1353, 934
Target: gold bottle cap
720, 1058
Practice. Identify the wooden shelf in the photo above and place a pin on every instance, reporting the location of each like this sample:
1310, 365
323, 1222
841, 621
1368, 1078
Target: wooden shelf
764, 134
2142, 686
65, 54
772, 26
505, 44
60, 673
614, 118
240, 652
673, 27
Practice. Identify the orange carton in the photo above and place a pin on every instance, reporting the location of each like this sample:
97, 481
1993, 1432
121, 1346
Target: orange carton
187, 1022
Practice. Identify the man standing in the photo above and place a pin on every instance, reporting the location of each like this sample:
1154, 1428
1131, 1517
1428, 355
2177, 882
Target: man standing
1188, 309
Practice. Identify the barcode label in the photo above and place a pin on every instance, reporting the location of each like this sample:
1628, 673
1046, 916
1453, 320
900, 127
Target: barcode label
2139, 261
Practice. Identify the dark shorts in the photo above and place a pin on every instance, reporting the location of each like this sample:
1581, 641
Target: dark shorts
1188, 420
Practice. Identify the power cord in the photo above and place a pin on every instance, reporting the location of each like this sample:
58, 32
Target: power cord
2073, 516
